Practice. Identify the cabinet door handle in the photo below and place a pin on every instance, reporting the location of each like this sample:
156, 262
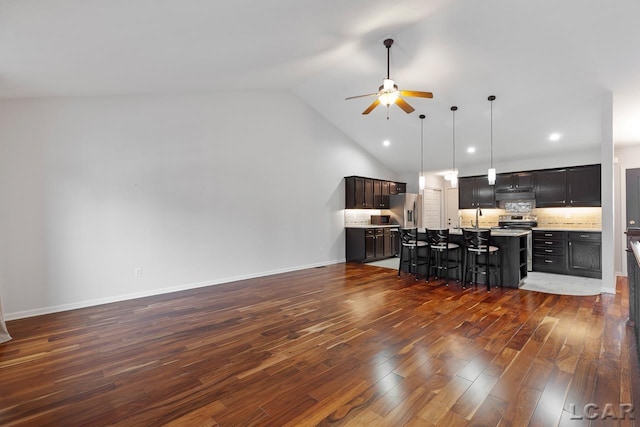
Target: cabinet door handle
548, 243
548, 261
584, 235
548, 251
548, 234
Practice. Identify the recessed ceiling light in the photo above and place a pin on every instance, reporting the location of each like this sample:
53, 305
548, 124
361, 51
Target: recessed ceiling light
471, 150
554, 136
386, 143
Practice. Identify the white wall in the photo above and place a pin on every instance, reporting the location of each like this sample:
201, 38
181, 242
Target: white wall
590, 155
607, 181
192, 189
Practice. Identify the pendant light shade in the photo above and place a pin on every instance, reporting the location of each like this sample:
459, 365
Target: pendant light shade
421, 180
491, 173
453, 179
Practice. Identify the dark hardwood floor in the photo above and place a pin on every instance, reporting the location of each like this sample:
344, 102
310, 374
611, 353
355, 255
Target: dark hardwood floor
346, 344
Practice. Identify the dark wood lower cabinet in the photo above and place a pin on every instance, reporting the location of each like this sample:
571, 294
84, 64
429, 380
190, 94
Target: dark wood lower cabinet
584, 254
370, 244
549, 250
573, 253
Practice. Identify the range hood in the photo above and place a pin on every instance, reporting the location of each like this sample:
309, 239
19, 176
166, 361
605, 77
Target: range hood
515, 195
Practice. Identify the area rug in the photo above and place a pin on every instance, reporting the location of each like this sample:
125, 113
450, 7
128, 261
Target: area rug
539, 282
561, 284
386, 263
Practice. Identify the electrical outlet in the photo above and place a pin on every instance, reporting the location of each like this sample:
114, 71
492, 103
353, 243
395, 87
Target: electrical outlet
137, 272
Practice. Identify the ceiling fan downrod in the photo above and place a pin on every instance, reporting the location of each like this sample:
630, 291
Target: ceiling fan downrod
388, 43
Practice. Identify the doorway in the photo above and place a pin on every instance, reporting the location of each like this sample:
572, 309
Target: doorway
432, 204
451, 207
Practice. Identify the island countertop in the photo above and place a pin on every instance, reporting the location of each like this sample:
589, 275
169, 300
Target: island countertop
497, 232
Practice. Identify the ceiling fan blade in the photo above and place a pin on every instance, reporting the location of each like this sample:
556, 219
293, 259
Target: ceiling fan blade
361, 96
371, 107
416, 93
406, 107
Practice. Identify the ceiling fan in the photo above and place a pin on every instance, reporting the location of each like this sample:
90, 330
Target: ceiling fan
389, 94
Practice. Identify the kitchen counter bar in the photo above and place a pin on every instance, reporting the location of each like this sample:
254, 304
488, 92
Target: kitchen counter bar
513, 249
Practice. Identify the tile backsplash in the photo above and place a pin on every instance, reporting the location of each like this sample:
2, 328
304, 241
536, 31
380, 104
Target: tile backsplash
489, 217
569, 217
582, 218
360, 216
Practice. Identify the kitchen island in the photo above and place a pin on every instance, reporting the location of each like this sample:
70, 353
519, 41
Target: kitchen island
513, 252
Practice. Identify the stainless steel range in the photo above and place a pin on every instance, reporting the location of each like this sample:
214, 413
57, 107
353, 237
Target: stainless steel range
521, 222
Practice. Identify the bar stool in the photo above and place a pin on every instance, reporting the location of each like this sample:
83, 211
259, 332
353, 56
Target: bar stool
440, 246
477, 243
410, 242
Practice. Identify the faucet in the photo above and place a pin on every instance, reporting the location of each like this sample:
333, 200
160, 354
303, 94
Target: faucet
478, 214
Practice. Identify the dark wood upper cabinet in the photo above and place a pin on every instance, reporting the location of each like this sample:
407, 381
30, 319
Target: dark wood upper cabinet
523, 180
393, 188
550, 188
466, 193
474, 192
381, 194
514, 181
401, 187
584, 186
485, 193
504, 181
358, 193
369, 193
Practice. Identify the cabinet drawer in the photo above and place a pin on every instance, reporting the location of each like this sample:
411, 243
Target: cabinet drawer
549, 251
548, 243
589, 236
549, 263
545, 234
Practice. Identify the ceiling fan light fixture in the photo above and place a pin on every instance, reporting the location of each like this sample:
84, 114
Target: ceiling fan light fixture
388, 97
389, 93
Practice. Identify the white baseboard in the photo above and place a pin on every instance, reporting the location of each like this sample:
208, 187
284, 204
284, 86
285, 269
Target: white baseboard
160, 291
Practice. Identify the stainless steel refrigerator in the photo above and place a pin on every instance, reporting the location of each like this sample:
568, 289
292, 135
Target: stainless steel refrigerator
406, 210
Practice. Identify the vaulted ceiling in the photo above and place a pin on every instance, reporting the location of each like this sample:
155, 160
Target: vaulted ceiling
551, 64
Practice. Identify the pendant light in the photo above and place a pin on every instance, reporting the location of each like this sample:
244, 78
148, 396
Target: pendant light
491, 173
454, 174
421, 180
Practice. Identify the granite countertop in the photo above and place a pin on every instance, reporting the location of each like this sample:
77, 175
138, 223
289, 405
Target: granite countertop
594, 230
371, 226
501, 232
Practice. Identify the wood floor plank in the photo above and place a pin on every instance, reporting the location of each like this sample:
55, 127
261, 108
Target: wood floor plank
346, 344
